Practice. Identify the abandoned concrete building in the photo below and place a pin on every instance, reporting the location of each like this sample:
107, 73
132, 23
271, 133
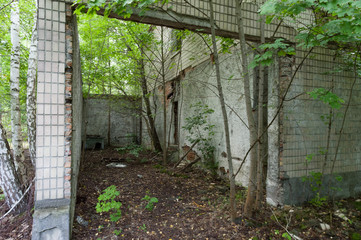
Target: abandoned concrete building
297, 131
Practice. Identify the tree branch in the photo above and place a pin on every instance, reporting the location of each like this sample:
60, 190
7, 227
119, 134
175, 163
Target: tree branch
3, 7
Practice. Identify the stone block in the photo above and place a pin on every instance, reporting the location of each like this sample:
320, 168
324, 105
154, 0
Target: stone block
51, 224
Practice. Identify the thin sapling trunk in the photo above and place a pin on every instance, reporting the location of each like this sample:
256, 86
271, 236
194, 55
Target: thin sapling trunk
224, 115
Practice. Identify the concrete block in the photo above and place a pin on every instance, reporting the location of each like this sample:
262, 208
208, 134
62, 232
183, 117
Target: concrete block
51, 224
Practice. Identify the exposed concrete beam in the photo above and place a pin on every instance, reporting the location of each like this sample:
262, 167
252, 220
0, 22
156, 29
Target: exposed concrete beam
169, 18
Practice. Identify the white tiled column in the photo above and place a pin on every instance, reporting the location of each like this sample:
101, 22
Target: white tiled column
50, 101
52, 196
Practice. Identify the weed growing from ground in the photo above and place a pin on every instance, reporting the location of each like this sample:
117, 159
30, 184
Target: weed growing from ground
150, 202
117, 232
143, 227
107, 203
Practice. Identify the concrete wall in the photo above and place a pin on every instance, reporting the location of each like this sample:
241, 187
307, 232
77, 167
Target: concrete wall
297, 131
116, 116
198, 84
304, 130
77, 124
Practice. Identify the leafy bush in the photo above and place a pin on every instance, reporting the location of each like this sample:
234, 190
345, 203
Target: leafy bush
200, 130
107, 203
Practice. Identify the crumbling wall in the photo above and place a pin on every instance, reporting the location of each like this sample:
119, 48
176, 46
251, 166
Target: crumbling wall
298, 136
198, 84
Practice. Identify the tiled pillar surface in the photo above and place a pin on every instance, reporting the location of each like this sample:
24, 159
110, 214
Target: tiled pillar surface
53, 161
50, 101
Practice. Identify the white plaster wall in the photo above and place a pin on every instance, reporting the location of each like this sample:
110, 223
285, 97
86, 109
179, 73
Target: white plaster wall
200, 85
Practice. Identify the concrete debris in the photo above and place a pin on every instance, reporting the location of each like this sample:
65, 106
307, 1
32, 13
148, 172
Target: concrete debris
117, 165
293, 236
325, 226
339, 214
81, 221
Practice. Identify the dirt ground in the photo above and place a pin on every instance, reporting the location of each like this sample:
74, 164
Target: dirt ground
191, 205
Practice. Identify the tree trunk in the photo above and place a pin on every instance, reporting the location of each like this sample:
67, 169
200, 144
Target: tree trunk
9, 180
31, 90
15, 90
164, 101
251, 192
153, 132
261, 142
225, 117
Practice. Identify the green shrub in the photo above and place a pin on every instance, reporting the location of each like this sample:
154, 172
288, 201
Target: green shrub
107, 203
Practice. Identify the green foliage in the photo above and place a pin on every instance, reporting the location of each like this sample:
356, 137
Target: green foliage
355, 236
107, 203
287, 236
110, 55
358, 205
27, 9
315, 181
144, 160
270, 51
177, 37
240, 196
309, 157
2, 197
143, 227
133, 149
158, 166
117, 232
226, 44
150, 202
327, 97
337, 21
318, 201
123, 8
200, 130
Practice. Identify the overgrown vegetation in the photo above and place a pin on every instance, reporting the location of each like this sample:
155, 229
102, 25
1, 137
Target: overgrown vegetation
133, 149
201, 132
336, 24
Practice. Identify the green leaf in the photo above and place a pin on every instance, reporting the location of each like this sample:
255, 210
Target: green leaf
327, 97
